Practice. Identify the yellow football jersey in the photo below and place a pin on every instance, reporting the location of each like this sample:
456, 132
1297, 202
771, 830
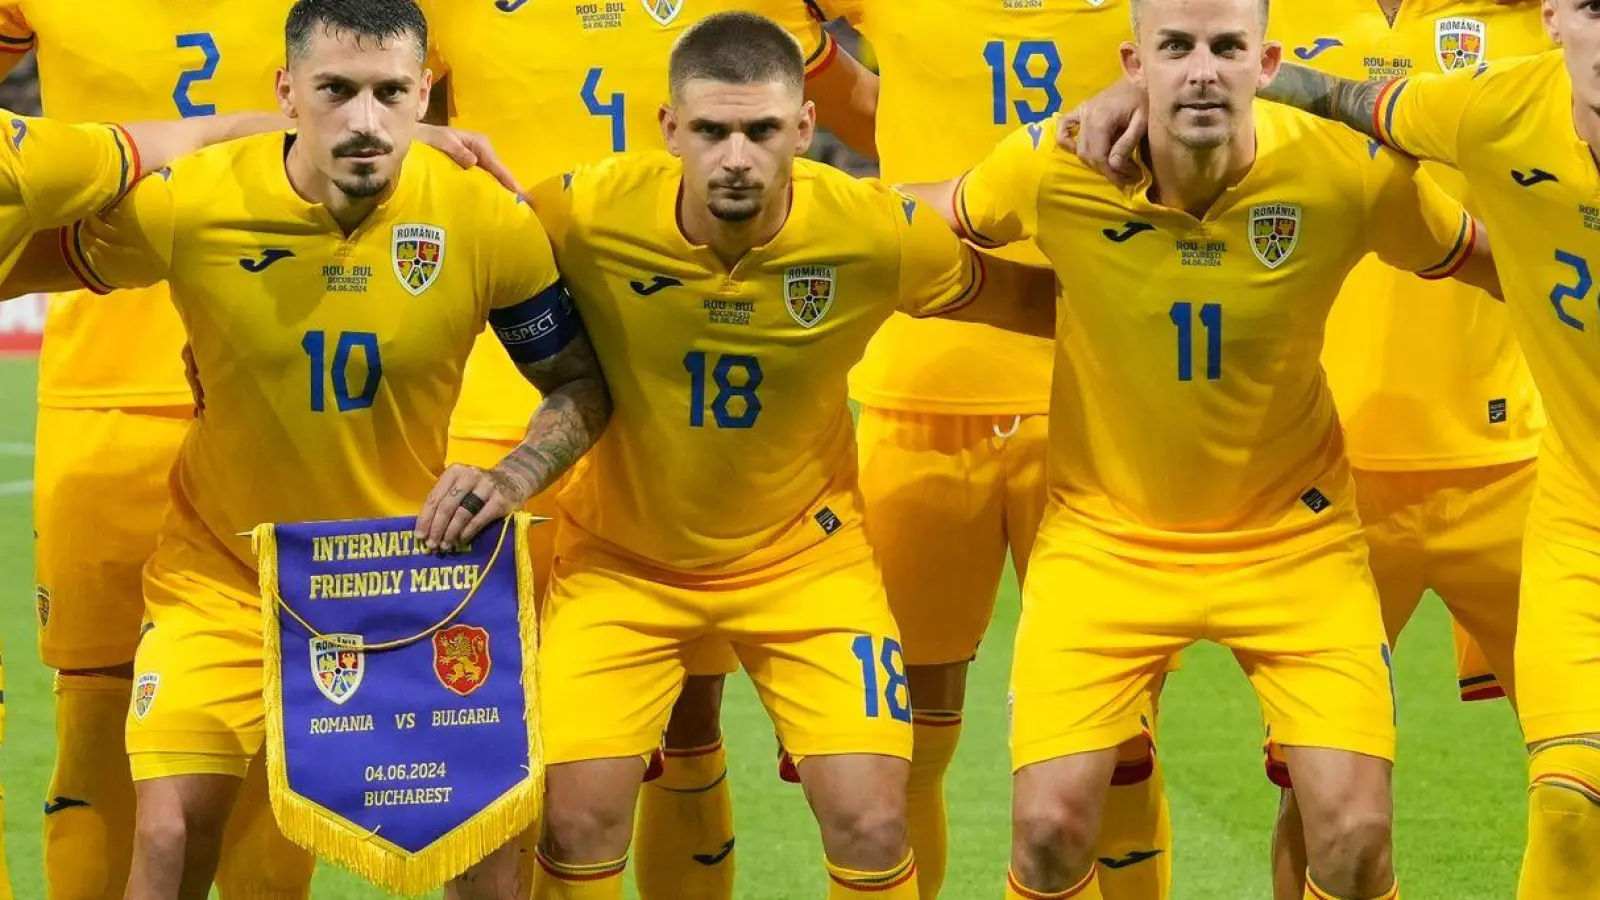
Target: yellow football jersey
1190, 413
731, 446
1509, 129
130, 61
956, 78
52, 174
554, 85
329, 363
1427, 375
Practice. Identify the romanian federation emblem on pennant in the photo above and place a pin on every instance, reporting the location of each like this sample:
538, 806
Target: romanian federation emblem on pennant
337, 664
461, 658
663, 11
418, 256
808, 293
1459, 42
144, 693
1274, 231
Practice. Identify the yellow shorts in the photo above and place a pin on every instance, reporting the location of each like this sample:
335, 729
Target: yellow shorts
1558, 640
1097, 628
100, 492
1458, 532
197, 691
815, 635
947, 497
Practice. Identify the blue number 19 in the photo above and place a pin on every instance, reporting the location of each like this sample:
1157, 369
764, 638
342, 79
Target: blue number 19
994, 53
616, 109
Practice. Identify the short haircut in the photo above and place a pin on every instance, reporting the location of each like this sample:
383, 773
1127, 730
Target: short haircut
378, 21
737, 48
1137, 8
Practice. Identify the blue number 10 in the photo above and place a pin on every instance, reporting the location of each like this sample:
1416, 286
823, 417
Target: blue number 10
315, 343
994, 53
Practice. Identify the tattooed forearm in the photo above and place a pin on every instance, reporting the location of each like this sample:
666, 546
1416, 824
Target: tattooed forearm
575, 411
1339, 99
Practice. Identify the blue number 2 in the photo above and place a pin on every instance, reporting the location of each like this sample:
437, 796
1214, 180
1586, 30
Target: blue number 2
1560, 292
994, 53
190, 77
896, 690
616, 109
315, 343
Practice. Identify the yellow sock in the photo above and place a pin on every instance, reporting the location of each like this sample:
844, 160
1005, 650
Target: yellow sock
898, 883
561, 881
1563, 822
1315, 893
258, 862
88, 811
683, 842
936, 734
1135, 846
1087, 889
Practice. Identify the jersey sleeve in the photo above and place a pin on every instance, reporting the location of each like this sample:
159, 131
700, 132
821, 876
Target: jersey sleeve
1423, 115
530, 309
938, 274
804, 19
997, 201
60, 173
1412, 224
553, 201
16, 35
852, 11
130, 245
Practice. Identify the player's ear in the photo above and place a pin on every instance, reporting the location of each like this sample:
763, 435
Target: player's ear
808, 127
1132, 66
424, 92
1551, 26
1271, 59
285, 91
669, 127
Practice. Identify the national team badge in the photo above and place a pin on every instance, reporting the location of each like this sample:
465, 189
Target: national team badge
1274, 231
418, 256
144, 693
808, 293
663, 11
41, 603
337, 664
461, 658
1459, 42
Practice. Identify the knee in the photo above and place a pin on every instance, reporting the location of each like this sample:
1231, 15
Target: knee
586, 832
167, 833
1055, 833
1354, 852
869, 836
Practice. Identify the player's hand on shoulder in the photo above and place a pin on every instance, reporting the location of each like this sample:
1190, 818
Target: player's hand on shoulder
468, 149
465, 501
1105, 130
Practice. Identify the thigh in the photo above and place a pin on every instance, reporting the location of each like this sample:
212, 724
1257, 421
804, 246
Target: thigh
611, 659
1026, 454
1307, 630
1392, 507
1558, 631
1096, 630
934, 499
100, 493
198, 674
833, 676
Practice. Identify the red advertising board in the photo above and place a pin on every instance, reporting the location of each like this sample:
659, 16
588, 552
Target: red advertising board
22, 324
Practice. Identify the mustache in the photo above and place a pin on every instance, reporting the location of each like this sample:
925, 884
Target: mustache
738, 183
360, 143
1203, 97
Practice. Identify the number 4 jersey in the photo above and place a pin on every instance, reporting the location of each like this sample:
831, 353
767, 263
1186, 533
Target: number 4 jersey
1190, 413
731, 445
329, 362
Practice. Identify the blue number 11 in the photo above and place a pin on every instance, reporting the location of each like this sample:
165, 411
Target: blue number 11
1182, 315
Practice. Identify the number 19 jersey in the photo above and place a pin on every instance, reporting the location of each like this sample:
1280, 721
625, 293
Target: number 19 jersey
131, 61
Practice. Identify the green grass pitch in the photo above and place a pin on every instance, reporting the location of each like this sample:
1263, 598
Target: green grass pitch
1460, 819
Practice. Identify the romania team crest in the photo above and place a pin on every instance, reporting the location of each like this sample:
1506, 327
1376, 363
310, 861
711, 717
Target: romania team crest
1274, 232
808, 293
461, 658
338, 666
144, 693
41, 603
663, 11
1459, 42
418, 256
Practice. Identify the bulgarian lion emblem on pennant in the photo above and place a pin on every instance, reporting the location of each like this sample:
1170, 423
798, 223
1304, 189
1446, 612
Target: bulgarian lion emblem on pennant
461, 658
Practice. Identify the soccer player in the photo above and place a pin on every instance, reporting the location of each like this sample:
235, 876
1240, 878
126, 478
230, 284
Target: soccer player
595, 88
1522, 134
952, 430
728, 288
279, 251
1198, 481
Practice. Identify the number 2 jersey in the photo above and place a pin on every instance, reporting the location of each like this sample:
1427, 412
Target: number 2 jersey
329, 363
1190, 413
731, 446
557, 84
135, 61
1509, 128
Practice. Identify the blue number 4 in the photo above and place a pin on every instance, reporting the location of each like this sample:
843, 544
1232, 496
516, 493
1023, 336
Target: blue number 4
1580, 268
616, 109
896, 691
202, 41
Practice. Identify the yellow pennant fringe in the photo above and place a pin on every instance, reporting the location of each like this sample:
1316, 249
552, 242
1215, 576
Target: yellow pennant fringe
334, 838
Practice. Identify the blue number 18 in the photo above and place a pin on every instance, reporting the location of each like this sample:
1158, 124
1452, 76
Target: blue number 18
896, 691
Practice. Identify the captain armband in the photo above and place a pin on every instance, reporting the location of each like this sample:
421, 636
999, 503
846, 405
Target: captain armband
538, 327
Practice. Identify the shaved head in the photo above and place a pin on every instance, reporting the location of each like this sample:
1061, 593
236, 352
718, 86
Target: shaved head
1137, 7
